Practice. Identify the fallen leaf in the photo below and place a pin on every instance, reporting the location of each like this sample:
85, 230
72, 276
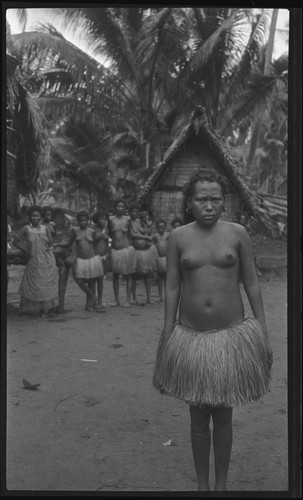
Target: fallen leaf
28, 385
170, 442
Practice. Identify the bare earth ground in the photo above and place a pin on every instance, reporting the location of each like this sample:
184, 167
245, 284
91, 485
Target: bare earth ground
96, 424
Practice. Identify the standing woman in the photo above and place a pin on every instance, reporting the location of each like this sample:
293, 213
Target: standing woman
123, 258
88, 266
209, 354
39, 283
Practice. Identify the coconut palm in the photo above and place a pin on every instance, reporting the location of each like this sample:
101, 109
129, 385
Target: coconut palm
164, 61
27, 139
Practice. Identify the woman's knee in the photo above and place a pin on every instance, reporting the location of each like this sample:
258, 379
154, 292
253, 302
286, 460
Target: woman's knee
199, 419
222, 416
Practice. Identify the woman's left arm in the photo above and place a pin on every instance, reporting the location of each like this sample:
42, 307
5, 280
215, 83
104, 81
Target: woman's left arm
250, 278
252, 285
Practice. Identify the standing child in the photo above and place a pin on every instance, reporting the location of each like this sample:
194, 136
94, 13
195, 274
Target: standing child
48, 215
88, 266
123, 259
100, 219
160, 240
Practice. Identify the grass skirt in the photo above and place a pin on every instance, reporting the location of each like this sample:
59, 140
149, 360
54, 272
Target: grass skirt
225, 367
147, 260
123, 261
162, 265
88, 268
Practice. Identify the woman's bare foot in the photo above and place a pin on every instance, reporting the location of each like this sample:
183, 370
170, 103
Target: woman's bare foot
203, 487
220, 487
100, 308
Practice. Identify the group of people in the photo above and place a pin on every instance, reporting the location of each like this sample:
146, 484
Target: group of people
126, 243
210, 355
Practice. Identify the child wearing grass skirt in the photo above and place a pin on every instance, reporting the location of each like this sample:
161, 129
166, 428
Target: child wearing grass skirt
209, 354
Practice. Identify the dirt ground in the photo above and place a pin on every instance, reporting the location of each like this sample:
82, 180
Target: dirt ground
96, 424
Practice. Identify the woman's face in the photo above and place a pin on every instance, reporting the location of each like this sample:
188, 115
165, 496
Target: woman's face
120, 208
161, 227
83, 222
207, 202
48, 215
102, 221
35, 218
134, 213
144, 215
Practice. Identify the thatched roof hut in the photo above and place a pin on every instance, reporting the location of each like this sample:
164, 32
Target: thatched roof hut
196, 144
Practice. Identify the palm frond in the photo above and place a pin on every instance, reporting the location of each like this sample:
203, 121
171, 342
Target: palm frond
46, 43
256, 95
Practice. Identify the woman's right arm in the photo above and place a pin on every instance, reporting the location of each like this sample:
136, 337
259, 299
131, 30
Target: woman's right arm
173, 285
19, 237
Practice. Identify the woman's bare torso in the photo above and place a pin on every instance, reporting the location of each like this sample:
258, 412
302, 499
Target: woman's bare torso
119, 232
209, 262
160, 242
84, 242
137, 229
101, 242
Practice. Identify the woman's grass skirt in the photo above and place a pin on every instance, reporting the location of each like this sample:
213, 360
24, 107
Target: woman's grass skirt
88, 268
123, 261
227, 367
147, 260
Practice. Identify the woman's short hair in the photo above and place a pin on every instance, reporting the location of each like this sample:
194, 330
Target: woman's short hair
205, 174
47, 209
134, 206
81, 214
99, 213
34, 208
120, 200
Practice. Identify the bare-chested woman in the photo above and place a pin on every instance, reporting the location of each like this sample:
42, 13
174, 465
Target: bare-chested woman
88, 266
123, 259
146, 252
160, 240
213, 358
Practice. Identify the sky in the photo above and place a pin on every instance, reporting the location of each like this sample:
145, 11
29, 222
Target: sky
40, 15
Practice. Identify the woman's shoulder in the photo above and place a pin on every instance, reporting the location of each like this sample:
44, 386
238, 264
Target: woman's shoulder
234, 228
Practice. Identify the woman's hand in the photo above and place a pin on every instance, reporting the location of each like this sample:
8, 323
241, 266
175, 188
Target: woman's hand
269, 356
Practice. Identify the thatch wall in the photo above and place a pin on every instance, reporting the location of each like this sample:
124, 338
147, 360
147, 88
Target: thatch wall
166, 201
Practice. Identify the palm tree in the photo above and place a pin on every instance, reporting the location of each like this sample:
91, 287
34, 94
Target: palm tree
164, 61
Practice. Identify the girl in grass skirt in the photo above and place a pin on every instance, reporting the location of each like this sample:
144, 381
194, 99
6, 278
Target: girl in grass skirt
88, 266
123, 258
209, 354
146, 253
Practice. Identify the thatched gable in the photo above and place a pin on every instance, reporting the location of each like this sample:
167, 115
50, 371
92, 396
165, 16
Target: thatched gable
198, 144
198, 128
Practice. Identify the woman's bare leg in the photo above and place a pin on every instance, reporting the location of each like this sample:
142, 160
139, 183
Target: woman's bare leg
88, 290
222, 439
116, 289
200, 441
129, 280
148, 286
100, 290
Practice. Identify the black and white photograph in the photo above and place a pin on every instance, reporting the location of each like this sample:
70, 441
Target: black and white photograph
150, 342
